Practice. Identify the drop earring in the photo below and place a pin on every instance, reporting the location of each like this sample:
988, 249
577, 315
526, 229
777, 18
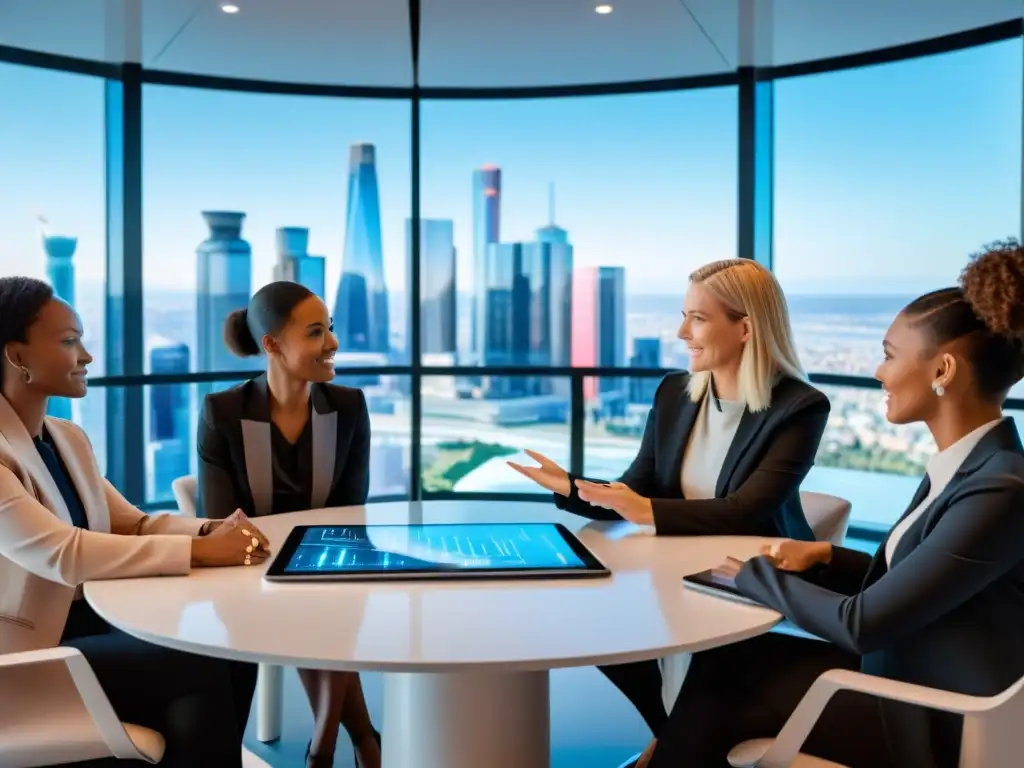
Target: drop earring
938, 389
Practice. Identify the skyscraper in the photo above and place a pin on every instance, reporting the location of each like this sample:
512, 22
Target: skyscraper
60, 270
361, 305
646, 354
224, 284
169, 443
599, 334
437, 284
294, 262
486, 231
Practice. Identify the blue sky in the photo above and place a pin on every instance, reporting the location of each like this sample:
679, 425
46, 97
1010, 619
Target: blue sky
886, 177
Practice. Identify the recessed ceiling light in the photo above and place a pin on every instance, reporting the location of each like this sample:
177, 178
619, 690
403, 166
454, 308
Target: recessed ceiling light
230, 8
604, 10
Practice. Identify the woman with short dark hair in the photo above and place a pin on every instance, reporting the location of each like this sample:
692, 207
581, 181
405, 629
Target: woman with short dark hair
62, 524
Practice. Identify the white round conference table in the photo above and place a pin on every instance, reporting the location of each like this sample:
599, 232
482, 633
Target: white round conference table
465, 663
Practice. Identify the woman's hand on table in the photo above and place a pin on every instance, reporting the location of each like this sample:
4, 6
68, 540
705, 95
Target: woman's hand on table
548, 475
797, 556
619, 498
232, 541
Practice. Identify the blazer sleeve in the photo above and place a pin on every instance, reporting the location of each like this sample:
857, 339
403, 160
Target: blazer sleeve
353, 485
845, 572
217, 496
976, 541
128, 520
751, 507
35, 539
639, 476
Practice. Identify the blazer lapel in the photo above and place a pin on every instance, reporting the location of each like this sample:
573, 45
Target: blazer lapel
679, 437
750, 424
13, 429
78, 459
325, 447
257, 447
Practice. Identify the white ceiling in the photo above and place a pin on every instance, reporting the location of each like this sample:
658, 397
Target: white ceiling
478, 43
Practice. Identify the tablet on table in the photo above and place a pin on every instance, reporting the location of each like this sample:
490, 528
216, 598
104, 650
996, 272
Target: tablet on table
433, 551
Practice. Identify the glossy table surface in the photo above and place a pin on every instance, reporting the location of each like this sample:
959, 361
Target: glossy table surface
642, 612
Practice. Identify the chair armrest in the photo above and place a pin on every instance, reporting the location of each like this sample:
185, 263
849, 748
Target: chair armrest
107, 723
791, 738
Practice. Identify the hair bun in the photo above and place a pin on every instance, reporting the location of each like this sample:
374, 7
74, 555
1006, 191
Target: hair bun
237, 335
993, 284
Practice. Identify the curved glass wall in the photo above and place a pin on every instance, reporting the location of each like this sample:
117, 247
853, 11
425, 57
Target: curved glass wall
553, 235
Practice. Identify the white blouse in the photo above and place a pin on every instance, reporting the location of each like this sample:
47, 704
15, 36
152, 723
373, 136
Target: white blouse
941, 468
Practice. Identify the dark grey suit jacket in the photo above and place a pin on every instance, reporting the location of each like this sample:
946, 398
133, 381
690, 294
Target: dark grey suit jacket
235, 464
948, 613
758, 490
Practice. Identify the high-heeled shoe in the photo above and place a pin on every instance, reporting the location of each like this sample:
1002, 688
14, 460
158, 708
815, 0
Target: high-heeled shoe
355, 748
317, 761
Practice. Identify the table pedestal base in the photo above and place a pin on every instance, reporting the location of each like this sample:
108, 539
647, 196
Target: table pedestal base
466, 720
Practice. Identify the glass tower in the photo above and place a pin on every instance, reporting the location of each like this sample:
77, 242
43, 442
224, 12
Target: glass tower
599, 338
361, 305
224, 284
646, 354
60, 270
295, 263
437, 285
486, 232
169, 419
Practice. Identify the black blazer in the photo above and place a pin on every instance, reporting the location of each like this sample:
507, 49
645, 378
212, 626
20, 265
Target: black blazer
235, 463
948, 614
758, 488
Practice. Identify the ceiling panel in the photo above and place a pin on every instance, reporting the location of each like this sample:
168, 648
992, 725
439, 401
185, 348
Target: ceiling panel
483, 43
336, 42
495, 43
805, 30
65, 27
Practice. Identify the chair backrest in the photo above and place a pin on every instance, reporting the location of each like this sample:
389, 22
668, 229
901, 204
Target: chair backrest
185, 490
57, 685
828, 516
992, 735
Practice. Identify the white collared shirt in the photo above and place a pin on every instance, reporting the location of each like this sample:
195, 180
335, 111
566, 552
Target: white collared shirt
941, 468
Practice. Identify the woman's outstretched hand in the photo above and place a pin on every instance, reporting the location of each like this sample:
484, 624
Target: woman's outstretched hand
548, 475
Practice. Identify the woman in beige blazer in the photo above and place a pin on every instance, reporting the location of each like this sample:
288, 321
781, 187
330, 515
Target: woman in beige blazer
62, 524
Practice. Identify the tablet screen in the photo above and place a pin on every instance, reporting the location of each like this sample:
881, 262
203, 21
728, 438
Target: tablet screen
423, 549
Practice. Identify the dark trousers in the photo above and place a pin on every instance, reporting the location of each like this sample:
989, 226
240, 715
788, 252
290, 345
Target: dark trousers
640, 682
748, 690
199, 705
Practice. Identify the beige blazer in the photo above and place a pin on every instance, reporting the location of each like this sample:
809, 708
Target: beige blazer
44, 558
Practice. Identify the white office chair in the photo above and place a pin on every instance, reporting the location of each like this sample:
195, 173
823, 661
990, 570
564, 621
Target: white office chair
992, 735
828, 516
62, 714
269, 695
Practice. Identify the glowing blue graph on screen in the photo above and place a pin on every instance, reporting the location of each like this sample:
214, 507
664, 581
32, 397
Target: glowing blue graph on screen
330, 549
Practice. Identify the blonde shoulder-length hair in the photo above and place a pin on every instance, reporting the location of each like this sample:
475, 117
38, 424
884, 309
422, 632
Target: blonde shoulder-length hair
747, 289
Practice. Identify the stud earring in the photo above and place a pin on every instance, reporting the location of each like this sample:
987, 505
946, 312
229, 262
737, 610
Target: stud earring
939, 390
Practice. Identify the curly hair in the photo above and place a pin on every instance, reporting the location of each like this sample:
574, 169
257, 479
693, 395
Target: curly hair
987, 309
21, 300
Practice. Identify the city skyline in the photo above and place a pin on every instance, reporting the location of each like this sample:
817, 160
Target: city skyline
266, 170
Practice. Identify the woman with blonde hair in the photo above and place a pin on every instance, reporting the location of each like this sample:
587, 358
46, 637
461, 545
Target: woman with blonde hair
726, 444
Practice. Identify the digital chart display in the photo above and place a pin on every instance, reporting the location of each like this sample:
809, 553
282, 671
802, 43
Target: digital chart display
343, 549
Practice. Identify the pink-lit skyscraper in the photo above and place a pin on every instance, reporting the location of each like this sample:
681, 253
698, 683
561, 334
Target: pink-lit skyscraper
599, 324
486, 230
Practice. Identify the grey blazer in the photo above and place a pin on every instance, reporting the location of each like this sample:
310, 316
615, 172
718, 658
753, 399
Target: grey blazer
948, 613
235, 449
